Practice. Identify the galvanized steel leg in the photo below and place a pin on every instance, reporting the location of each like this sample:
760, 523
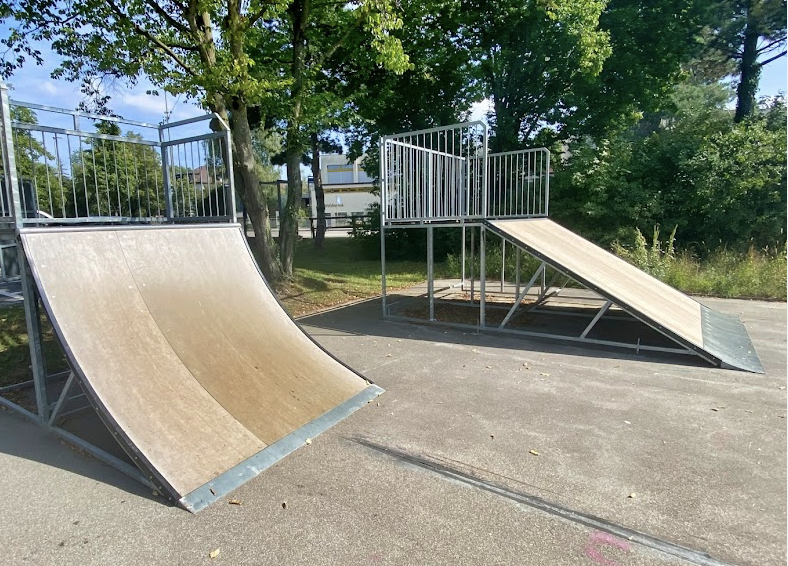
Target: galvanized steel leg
462, 275
521, 296
517, 274
430, 272
34, 337
482, 275
503, 261
599, 315
383, 268
473, 258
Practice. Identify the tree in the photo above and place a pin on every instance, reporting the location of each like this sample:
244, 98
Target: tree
531, 54
193, 47
751, 34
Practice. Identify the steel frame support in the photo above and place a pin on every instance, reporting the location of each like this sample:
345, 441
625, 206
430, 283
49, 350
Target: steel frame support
462, 275
482, 276
473, 258
521, 296
62, 399
503, 261
518, 253
596, 318
430, 272
383, 268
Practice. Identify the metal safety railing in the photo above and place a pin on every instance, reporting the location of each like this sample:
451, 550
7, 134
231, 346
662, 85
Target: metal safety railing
434, 174
519, 183
115, 170
446, 174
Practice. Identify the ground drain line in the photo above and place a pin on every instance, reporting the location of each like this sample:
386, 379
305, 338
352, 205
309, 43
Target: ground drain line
666, 547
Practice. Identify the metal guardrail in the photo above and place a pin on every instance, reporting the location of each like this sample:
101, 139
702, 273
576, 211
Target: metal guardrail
69, 175
446, 174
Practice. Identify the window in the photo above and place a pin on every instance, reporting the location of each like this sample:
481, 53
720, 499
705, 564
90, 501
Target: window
339, 174
363, 177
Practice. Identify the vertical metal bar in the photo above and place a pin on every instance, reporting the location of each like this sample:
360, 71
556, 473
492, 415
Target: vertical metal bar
484, 165
430, 271
473, 243
383, 197
9, 158
95, 176
517, 269
503, 261
462, 275
230, 198
482, 275
547, 186
34, 336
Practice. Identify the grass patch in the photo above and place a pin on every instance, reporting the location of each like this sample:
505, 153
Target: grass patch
15, 351
754, 275
334, 275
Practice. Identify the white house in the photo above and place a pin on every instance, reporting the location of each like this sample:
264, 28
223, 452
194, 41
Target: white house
347, 188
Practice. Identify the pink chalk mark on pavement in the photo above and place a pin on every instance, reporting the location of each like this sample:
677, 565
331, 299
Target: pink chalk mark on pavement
597, 540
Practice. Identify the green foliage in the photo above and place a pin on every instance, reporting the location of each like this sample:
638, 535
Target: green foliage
649, 258
721, 183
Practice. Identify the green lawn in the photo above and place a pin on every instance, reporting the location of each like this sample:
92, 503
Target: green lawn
335, 275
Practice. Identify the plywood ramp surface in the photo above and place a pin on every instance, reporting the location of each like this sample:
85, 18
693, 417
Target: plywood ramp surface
182, 346
630, 287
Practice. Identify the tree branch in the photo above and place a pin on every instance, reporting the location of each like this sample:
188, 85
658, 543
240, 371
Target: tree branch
150, 37
773, 58
164, 14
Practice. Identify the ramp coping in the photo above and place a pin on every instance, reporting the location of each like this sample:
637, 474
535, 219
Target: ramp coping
248, 469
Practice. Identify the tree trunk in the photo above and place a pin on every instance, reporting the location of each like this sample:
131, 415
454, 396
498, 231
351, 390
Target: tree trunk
288, 231
288, 227
248, 187
320, 196
749, 71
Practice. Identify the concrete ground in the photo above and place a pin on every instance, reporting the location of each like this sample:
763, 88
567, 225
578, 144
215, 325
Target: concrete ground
640, 460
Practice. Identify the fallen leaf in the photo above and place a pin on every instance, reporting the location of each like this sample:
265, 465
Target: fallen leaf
214, 553
715, 409
533, 452
308, 441
492, 436
488, 367
388, 355
632, 496
234, 502
284, 504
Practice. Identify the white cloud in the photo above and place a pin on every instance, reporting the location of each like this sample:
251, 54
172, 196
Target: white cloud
143, 102
49, 87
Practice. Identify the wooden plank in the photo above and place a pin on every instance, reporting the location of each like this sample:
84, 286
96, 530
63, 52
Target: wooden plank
130, 368
621, 281
207, 297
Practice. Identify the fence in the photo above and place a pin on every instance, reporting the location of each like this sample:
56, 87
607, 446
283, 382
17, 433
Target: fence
446, 174
122, 171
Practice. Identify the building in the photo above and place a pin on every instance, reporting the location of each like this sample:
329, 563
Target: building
347, 189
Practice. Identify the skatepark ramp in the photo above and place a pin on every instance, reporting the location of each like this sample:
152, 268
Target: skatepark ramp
185, 353
721, 339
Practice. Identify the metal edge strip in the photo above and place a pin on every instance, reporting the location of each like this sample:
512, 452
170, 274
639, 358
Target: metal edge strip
250, 468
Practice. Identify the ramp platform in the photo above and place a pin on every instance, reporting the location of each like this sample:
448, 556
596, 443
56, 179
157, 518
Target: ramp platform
185, 353
719, 338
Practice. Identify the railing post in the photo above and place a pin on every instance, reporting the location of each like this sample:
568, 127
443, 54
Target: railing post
547, 186
9, 158
383, 201
165, 170
230, 189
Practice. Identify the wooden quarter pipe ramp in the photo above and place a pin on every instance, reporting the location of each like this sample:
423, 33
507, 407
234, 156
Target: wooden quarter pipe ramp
185, 353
